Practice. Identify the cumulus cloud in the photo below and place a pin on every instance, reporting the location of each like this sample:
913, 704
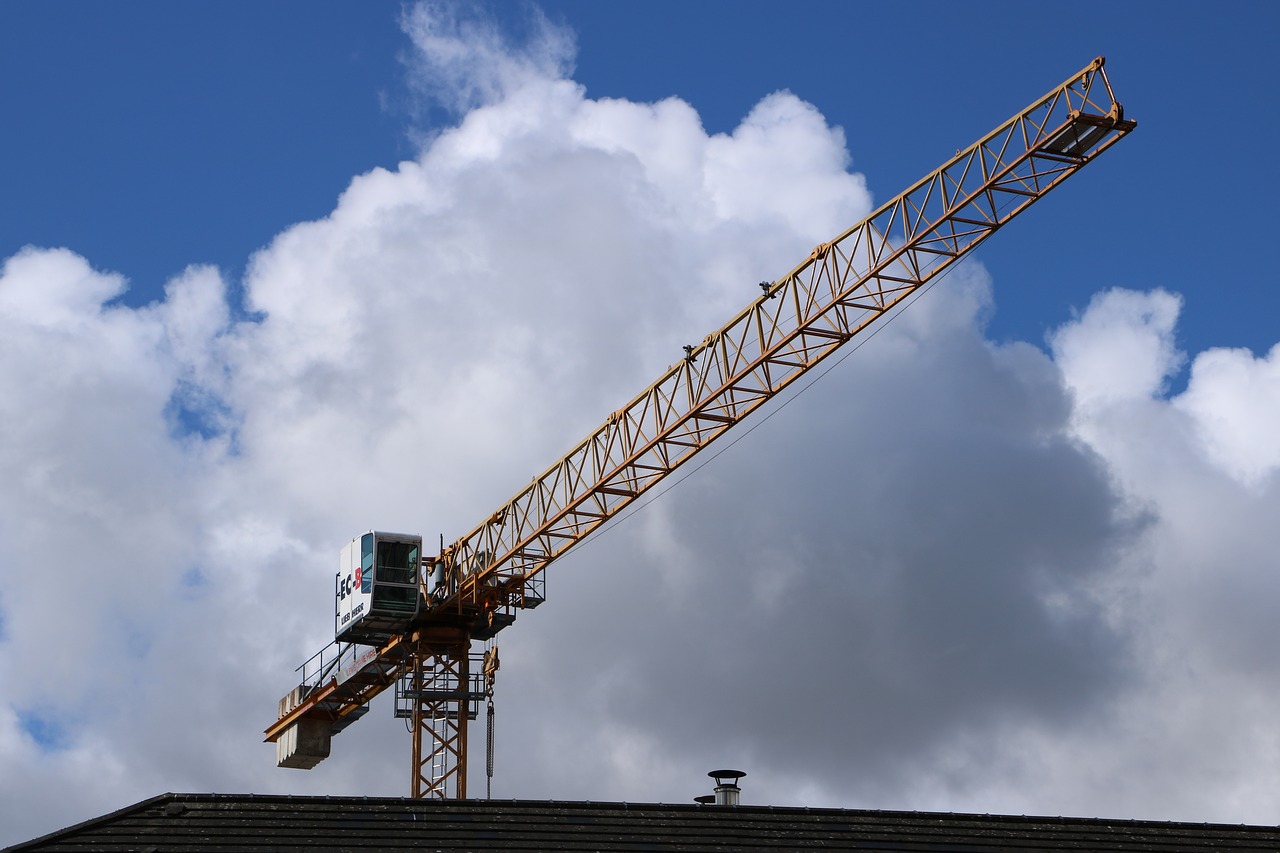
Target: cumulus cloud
952, 574
464, 61
1231, 398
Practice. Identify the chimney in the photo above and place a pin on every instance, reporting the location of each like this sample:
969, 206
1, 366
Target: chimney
727, 789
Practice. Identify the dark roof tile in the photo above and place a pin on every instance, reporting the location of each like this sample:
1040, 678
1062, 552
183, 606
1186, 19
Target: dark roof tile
225, 822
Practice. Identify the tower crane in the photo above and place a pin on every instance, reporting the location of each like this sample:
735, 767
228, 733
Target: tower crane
408, 619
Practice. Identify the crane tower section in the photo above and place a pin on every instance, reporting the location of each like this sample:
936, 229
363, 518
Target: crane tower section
475, 586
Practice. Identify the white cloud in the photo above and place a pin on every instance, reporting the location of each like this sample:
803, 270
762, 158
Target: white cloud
1124, 352
1234, 400
465, 61
951, 575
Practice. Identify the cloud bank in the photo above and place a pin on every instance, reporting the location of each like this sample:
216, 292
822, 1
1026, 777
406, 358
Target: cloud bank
954, 574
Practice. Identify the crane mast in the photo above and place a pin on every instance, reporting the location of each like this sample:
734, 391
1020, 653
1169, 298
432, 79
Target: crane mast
475, 586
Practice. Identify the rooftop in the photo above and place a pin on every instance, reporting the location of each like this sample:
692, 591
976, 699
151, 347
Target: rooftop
232, 822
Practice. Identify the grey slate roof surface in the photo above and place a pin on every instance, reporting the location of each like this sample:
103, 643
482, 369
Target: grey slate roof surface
229, 822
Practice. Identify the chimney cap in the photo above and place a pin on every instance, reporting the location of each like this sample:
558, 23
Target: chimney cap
732, 775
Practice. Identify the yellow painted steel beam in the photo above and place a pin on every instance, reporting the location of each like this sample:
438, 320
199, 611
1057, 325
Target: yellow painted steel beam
840, 289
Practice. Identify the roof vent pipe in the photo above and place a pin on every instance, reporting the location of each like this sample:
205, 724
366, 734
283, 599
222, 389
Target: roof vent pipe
727, 789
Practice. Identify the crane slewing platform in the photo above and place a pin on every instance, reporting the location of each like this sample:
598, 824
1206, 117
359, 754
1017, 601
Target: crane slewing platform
409, 620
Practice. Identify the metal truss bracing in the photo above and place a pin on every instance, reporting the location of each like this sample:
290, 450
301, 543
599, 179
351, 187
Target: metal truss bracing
801, 318
840, 289
439, 693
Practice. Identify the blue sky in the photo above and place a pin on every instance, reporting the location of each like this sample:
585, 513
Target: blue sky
151, 136
385, 262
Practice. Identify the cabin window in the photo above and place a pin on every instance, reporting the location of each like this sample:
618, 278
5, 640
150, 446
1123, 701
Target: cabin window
395, 599
398, 562
366, 562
